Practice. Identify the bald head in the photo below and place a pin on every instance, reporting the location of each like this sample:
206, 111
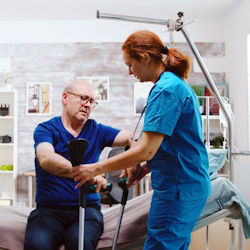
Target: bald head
78, 84
74, 108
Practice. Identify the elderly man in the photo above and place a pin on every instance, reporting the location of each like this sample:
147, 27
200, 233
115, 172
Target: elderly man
55, 220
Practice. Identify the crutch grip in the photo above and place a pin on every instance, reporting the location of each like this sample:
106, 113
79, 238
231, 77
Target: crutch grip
92, 188
122, 182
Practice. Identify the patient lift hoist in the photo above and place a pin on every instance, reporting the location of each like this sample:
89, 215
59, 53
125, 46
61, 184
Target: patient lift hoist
178, 25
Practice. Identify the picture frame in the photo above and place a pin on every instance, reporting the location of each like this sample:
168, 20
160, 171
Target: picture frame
211, 100
141, 92
38, 98
100, 85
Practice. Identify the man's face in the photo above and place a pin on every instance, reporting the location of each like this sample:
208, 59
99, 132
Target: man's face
78, 102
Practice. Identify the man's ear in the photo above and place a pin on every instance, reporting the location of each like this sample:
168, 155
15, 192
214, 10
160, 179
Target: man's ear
145, 58
64, 97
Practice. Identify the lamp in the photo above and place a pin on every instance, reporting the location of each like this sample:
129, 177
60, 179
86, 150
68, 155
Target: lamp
34, 99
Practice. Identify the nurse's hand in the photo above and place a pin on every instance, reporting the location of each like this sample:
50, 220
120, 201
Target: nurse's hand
82, 173
136, 173
129, 172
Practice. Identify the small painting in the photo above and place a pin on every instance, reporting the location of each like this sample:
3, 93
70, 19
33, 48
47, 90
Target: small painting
141, 92
100, 85
38, 98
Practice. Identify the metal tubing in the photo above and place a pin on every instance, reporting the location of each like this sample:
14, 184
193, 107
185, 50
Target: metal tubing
207, 237
241, 153
30, 193
81, 228
207, 99
117, 230
201, 64
233, 236
217, 95
131, 18
241, 237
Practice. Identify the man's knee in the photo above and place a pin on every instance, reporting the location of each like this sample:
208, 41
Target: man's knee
41, 240
34, 244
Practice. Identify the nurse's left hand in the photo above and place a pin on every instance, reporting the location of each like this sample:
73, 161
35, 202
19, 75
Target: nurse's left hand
82, 173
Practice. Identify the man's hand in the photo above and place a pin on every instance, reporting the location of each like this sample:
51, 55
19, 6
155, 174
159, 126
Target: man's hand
100, 182
82, 173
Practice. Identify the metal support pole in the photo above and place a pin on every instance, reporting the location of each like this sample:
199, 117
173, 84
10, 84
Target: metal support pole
30, 190
179, 27
131, 18
217, 95
207, 99
207, 237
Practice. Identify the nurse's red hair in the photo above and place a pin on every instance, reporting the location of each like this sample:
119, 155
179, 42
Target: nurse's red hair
145, 41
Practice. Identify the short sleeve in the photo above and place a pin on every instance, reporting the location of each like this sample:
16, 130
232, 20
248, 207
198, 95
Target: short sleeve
108, 135
162, 112
42, 134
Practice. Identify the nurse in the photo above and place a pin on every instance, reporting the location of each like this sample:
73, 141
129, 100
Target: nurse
171, 143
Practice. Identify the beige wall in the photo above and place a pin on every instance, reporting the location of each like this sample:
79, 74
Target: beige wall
59, 63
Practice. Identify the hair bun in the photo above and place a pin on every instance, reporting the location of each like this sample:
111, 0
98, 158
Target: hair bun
164, 50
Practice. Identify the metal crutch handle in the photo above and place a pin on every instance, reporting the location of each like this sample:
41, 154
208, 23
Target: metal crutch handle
77, 149
123, 185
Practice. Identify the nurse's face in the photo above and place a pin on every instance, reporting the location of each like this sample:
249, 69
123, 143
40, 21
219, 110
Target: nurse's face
138, 68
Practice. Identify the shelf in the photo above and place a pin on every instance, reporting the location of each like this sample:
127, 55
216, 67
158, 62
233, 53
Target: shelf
6, 144
223, 175
6, 172
6, 197
211, 117
8, 151
6, 91
6, 117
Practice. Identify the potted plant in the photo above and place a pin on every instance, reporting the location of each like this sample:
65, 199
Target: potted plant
199, 91
5, 76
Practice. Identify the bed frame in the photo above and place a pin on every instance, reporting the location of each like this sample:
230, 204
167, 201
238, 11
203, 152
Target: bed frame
178, 25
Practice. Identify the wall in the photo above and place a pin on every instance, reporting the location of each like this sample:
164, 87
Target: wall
100, 30
59, 63
236, 28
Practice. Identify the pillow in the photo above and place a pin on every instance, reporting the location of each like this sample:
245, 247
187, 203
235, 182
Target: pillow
217, 158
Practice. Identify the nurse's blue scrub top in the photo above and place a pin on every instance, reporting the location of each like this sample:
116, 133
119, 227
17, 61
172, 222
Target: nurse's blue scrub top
179, 169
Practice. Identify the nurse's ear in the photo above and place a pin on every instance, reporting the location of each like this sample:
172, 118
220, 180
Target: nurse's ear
145, 59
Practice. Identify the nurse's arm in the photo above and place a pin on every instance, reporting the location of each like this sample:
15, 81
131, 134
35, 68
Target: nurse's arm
145, 150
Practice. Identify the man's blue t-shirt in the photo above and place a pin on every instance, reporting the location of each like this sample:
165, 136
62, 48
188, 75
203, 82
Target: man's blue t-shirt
55, 191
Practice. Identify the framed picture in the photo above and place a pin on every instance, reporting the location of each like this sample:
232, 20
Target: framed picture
141, 91
100, 85
38, 98
211, 100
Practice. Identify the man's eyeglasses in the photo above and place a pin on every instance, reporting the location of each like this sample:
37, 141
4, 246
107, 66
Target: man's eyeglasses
85, 99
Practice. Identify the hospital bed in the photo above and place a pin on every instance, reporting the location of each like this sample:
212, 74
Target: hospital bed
225, 201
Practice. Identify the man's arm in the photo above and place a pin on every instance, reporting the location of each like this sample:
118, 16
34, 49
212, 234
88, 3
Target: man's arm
52, 162
56, 164
123, 138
